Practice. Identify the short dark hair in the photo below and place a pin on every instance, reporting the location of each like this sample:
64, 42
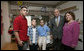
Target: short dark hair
41, 20
23, 7
71, 13
33, 19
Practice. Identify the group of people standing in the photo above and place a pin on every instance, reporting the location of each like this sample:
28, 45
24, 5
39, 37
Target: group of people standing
64, 31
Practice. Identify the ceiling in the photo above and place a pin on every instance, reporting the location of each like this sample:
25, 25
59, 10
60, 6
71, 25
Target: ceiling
44, 2
40, 3
51, 4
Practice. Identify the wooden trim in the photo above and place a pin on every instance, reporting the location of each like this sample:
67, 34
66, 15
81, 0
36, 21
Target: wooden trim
68, 9
60, 3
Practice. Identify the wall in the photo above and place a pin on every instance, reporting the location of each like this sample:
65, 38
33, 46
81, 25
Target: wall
36, 10
5, 37
79, 4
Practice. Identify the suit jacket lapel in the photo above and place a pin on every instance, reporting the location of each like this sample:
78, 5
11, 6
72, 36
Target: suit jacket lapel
60, 21
55, 22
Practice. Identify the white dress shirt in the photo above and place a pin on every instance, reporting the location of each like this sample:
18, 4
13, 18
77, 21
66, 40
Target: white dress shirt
34, 34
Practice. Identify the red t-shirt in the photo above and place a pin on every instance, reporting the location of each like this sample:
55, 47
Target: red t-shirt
20, 25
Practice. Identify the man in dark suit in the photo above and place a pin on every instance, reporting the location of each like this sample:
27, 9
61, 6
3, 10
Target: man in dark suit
56, 26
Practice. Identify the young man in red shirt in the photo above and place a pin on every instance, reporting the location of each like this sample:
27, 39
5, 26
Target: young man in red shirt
20, 28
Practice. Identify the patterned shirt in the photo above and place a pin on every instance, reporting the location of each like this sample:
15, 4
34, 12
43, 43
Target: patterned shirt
30, 34
20, 25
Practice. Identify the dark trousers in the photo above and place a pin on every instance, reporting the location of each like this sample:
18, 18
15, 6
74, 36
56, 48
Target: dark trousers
24, 47
20, 47
57, 44
33, 47
67, 47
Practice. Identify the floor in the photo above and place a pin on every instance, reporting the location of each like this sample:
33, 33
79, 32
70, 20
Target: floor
13, 45
10, 46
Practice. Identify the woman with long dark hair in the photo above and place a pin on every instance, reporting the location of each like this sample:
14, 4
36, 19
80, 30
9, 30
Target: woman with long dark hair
71, 31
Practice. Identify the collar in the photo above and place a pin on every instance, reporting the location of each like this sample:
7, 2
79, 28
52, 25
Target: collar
22, 17
33, 27
57, 17
43, 25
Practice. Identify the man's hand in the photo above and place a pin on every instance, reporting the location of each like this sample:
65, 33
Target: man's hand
37, 41
18, 39
51, 36
20, 43
30, 42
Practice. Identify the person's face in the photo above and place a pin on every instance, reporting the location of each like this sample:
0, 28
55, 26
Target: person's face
56, 12
68, 17
34, 22
24, 11
41, 22
11, 28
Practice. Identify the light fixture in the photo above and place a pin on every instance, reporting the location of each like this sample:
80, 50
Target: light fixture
43, 9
